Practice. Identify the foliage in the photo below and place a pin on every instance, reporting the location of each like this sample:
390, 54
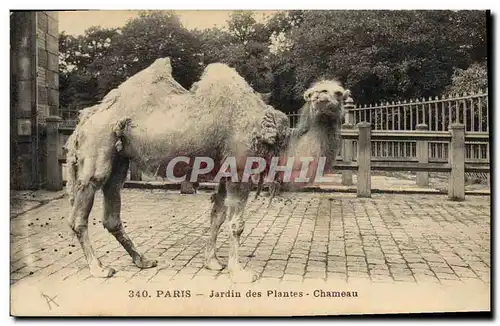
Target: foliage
385, 55
153, 35
243, 46
379, 55
104, 66
470, 80
77, 81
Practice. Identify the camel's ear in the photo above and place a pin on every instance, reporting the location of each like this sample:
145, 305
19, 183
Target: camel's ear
307, 95
346, 95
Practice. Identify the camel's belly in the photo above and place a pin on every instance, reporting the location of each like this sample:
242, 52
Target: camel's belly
161, 151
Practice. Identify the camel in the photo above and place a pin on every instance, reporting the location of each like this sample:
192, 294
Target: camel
151, 119
318, 134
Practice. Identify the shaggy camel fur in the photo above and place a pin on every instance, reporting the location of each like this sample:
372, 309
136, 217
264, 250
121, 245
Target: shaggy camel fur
319, 127
317, 134
151, 119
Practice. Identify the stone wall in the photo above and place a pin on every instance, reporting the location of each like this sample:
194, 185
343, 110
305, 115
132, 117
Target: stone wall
48, 64
34, 93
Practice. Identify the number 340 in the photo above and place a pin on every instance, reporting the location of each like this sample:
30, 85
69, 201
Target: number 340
138, 294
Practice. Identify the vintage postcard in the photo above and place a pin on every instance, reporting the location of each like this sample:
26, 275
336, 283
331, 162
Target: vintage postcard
249, 163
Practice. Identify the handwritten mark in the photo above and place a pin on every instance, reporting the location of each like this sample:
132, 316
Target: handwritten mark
50, 300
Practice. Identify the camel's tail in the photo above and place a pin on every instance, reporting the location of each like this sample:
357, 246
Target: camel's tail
71, 147
71, 166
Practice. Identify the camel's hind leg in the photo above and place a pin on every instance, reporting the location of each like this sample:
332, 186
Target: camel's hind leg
217, 217
83, 195
112, 206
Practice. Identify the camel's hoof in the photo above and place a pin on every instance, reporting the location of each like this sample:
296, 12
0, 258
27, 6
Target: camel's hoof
214, 264
102, 272
144, 263
243, 276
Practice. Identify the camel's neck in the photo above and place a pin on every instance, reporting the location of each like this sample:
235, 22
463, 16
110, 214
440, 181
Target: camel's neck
327, 136
318, 140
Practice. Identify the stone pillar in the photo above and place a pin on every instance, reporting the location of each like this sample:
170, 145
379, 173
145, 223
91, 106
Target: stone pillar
24, 160
423, 157
187, 188
349, 113
456, 189
47, 34
347, 156
364, 160
34, 93
135, 173
47, 80
348, 149
53, 167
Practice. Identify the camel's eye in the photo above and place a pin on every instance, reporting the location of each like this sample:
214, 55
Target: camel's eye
338, 93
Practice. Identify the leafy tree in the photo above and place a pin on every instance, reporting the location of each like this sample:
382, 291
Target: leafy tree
285, 21
471, 80
215, 45
153, 35
282, 64
381, 55
78, 83
241, 25
243, 46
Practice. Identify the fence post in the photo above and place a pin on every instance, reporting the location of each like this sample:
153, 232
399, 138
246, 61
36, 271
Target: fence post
349, 113
54, 169
348, 143
422, 156
347, 156
187, 188
135, 173
364, 160
456, 188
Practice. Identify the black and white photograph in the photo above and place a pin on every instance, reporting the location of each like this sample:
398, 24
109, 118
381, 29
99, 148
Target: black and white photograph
249, 162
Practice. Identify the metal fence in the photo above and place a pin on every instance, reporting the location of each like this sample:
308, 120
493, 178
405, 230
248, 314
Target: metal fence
69, 116
420, 114
437, 113
433, 115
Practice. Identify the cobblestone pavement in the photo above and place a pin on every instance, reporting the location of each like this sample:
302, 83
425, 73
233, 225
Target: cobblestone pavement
389, 238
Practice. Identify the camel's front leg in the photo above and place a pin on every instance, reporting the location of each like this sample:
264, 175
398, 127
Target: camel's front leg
236, 200
217, 217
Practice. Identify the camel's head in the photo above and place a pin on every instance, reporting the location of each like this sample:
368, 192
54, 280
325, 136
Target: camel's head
327, 98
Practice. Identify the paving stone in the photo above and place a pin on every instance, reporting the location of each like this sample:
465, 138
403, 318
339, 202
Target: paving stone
292, 278
336, 276
401, 238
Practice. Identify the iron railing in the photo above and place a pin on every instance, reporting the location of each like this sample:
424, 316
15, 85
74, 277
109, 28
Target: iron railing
434, 115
